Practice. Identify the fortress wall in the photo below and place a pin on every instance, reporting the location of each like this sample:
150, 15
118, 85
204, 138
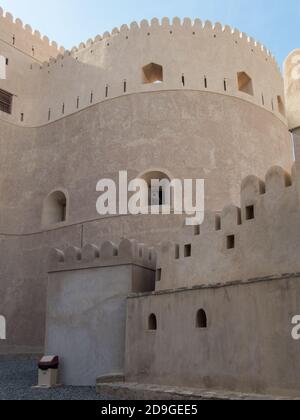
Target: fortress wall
265, 231
247, 346
187, 134
22, 38
137, 133
195, 50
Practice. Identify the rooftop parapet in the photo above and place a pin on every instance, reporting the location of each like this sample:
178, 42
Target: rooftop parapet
24, 38
108, 254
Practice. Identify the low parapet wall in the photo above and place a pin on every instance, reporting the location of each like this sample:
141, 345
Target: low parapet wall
258, 239
86, 306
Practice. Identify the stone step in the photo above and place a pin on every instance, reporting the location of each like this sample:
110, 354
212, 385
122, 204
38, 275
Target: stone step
142, 392
112, 378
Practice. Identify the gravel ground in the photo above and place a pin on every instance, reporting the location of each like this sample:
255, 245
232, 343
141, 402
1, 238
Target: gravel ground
18, 377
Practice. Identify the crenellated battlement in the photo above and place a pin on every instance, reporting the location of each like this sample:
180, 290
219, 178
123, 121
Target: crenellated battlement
255, 240
107, 254
22, 37
202, 57
135, 29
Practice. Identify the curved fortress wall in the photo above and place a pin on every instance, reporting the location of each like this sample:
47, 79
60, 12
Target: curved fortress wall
79, 125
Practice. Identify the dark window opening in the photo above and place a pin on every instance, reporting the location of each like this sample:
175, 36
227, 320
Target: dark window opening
63, 109
125, 86
22, 117
197, 230
6, 61
183, 80
218, 222
152, 323
250, 213
78, 102
225, 85
92, 97
187, 251
6, 99
106, 91
49, 114
201, 320
177, 252
230, 242
205, 82
158, 275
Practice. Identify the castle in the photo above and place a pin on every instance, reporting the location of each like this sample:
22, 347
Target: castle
144, 296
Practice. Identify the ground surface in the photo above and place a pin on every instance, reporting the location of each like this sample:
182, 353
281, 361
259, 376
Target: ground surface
18, 377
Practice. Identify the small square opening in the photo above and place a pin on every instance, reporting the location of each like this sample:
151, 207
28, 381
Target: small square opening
197, 230
153, 73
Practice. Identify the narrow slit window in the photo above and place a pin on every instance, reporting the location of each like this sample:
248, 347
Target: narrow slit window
92, 98
63, 109
49, 114
22, 117
158, 275
125, 86
218, 222
205, 82
281, 106
78, 102
183, 80
177, 252
225, 85
106, 91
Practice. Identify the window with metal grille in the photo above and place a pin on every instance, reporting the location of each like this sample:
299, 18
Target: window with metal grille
5, 101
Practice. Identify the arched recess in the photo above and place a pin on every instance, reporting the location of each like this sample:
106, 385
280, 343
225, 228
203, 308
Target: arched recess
55, 208
201, 319
158, 182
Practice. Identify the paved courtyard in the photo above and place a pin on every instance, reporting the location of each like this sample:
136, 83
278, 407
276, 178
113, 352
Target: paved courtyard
18, 377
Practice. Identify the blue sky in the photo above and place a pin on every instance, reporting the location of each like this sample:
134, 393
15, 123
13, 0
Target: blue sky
275, 23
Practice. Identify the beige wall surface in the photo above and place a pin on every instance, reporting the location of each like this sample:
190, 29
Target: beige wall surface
189, 131
86, 321
247, 346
